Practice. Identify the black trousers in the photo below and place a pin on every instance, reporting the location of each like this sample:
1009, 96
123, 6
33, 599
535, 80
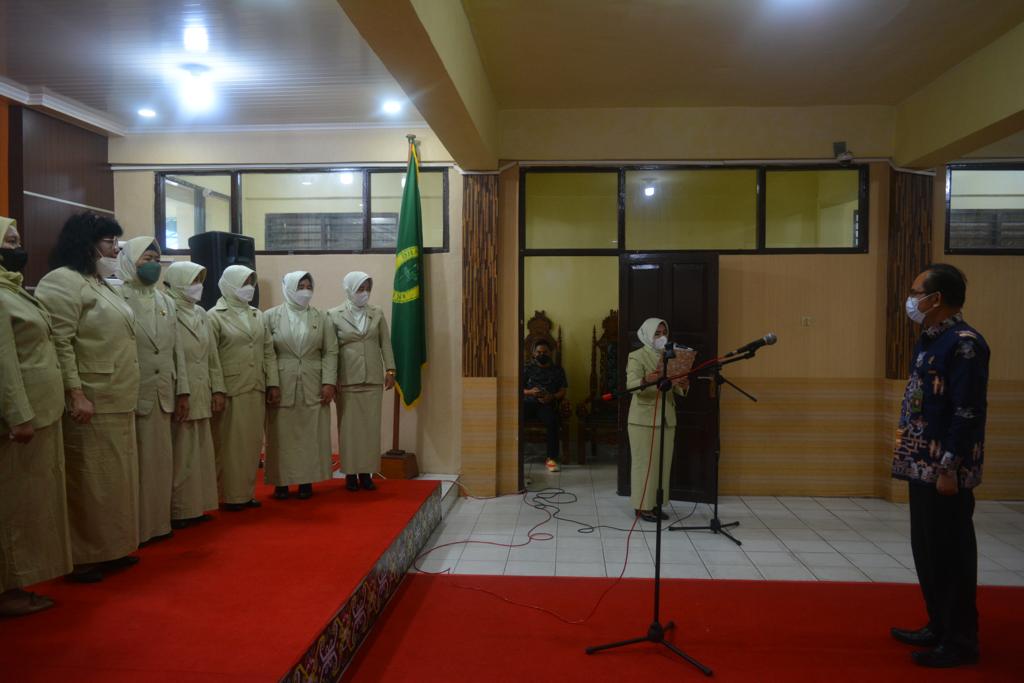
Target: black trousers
547, 413
946, 558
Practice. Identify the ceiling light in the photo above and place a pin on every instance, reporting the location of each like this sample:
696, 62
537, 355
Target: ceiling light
346, 177
307, 183
649, 191
196, 89
147, 113
196, 39
391, 107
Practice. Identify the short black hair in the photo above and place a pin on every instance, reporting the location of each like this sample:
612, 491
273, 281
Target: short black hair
76, 244
541, 342
949, 281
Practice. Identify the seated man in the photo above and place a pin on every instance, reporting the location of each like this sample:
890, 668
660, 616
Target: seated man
544, 385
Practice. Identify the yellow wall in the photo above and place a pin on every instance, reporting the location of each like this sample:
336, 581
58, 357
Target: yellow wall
433, 429
571, 210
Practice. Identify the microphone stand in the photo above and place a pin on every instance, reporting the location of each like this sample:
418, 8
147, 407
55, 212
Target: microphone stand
656, 631
715, 525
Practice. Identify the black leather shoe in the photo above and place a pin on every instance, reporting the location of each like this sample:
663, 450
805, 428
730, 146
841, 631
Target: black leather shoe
253, 503
89, 575
181, 523
126, 561
922, 637
305, 491
648, 517
281, 492
201, 518
945, 657
367, 482
352, 482
234, 507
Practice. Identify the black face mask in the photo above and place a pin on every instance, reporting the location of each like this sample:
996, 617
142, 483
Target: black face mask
14, 260
542, 359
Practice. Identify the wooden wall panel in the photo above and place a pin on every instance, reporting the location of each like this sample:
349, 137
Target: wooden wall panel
479, 275
479, 471
910, 247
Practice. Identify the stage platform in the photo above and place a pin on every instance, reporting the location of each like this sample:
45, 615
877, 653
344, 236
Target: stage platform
284, 592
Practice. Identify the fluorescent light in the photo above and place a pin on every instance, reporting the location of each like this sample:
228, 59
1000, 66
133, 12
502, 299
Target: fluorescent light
346, 177
196, 90
391, 107
147, 113
196, 39
307, 183
649, 191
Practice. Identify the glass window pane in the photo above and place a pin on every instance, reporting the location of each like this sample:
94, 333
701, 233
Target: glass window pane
386, 189
572, 210
812, 209
691, 209
986, 209
316, 211
194, 204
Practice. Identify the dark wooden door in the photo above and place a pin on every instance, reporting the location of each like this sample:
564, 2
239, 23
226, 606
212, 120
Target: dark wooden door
682, 289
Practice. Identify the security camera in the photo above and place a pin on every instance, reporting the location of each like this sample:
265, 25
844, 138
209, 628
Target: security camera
841, 153
844, 158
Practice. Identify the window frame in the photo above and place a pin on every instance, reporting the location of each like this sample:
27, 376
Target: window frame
236, 173
968, 166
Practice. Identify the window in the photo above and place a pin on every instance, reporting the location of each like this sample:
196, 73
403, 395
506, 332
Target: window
812, 209
985, 210
300, 210
574, 210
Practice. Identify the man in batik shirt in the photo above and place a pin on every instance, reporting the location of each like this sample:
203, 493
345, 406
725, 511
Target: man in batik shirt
544, 385
939, 451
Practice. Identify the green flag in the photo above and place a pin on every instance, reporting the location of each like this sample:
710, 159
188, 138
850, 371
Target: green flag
408, 323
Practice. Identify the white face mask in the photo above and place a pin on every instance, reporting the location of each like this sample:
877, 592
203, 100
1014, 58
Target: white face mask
302, 297
913, 312
245, 293
194, 291
659, 343
360, 298
106, 266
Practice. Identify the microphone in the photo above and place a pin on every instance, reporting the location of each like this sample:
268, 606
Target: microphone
766, 340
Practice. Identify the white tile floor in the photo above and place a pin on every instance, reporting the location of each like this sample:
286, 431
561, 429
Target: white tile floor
801, 539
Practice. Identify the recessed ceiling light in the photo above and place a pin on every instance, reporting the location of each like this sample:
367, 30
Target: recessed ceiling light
649, 191
196, 39
391, 107
147, 113
346, 177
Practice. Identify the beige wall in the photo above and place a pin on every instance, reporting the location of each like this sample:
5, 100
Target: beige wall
433, 429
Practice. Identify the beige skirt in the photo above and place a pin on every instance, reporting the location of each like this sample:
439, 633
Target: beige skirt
156, 473
34, 545
298, 445
359, 410
195, 469
102, 470
643, 470
237, 443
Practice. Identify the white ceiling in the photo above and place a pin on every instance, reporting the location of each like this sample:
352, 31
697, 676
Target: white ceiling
272, 63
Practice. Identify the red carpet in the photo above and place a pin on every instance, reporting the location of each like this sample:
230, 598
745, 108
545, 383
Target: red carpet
240, 598
743, 630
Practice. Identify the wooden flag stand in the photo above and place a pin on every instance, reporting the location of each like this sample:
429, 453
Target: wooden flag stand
396, 463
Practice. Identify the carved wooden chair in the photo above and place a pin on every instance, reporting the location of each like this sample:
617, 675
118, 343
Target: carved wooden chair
597, 419
539, 329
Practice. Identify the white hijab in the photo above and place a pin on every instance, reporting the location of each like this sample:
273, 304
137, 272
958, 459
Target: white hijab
231, 280
177, 278
647, 330
352, 282
298, 314
128, 261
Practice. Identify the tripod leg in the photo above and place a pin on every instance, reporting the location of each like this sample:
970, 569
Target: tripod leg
703, 669
621, 643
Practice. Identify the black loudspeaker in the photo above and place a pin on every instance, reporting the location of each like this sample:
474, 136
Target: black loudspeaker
215, 251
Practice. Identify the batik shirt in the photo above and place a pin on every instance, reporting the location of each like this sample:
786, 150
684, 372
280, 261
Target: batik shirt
942, 420
550, 378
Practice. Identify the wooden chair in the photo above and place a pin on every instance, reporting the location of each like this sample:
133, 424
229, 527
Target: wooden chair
598, 420
539, 329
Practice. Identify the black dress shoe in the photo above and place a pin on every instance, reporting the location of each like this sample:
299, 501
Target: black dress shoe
89, 575
648, 516
281, 492
201, 518
305, 491
252, 503
181, 523
366, 480
234, 507
351, 482
663, 515
121, 562
922, 637
946, 657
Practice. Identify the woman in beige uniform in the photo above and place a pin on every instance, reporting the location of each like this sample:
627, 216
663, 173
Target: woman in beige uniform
645, 419
34, 546
161, 379
299, 429
366, 367
247, 360
194, 491
94, 333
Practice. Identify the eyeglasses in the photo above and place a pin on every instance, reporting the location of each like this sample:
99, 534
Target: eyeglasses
109, 240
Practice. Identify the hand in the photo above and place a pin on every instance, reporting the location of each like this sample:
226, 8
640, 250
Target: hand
273, 396
535, 391
181, 408
389, 382
218, 402
946, 484
81, 409
682, 382
652, 376
327, 393
22, 433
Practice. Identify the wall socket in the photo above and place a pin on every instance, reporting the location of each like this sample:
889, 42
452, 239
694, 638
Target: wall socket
806, 321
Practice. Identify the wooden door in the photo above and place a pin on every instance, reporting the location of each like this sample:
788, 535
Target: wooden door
682, 289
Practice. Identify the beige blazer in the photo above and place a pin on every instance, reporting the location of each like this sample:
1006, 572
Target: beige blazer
303, 371
202, 363
362, 356
246, 351
94, 334
643, 404
161, 363
31, 388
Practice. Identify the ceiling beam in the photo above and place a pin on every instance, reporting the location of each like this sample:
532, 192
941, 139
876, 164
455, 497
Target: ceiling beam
977, 102
428, 47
